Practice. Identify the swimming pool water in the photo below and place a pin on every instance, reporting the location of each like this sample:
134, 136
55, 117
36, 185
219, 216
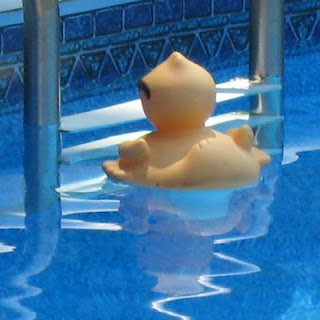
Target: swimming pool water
241, 255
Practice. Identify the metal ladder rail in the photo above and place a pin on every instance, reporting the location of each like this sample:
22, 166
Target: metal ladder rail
41, 104
266, 66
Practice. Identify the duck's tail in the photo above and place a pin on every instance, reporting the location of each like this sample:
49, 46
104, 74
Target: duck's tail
263, 158
243, 137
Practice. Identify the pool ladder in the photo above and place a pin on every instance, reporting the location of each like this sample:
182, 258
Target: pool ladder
43, 124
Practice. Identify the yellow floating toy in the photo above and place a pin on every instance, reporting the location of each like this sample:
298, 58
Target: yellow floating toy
178, 96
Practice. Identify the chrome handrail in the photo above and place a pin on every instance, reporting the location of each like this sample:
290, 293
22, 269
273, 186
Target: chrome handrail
266, 64
41, 103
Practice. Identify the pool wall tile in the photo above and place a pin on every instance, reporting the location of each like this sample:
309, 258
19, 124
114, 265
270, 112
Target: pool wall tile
21, 71
125, 37
5, 78
168, 10
184, 26
227, 6
182, 43
152, 32
8, 59
197, 9
139, 67
66, 67
92, 63
138, 15
13, 39
211, 41
247, 4
70, 48
197, 52
95, 43
109, 72
151, 51
304, 6
122, 56
108, 49
15, 90
240, 18
316, 37
239, 38
215, 21
303, 25
79, 79
108, 21
228, 50
78, 27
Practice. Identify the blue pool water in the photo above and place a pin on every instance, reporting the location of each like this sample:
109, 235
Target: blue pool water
245, 254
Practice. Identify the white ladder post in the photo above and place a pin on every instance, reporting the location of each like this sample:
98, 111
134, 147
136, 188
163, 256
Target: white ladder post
266, 65
41, 103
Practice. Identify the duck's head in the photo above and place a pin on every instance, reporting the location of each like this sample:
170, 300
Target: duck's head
178, 94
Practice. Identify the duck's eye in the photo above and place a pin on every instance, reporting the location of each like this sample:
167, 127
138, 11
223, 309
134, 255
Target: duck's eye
142, 86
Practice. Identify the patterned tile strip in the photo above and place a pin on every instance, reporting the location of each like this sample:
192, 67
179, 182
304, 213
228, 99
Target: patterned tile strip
109, 49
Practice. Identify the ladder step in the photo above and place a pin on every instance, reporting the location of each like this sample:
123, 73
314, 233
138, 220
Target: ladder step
90, 188
4, 248
70, 206
104, 117
97, 149
83, 186
132, 110
74, 224
245, 87
232, 120
108, 147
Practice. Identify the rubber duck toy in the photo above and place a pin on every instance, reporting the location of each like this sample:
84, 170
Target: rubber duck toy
178, 96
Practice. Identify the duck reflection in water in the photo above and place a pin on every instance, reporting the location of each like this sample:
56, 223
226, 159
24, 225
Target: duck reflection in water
180, 228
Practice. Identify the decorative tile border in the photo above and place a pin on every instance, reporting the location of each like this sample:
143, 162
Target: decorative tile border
107, 50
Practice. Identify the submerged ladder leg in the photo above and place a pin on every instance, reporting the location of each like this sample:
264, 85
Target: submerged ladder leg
266, 66
41, 104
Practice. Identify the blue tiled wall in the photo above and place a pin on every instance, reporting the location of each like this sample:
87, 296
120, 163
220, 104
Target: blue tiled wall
109, 49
